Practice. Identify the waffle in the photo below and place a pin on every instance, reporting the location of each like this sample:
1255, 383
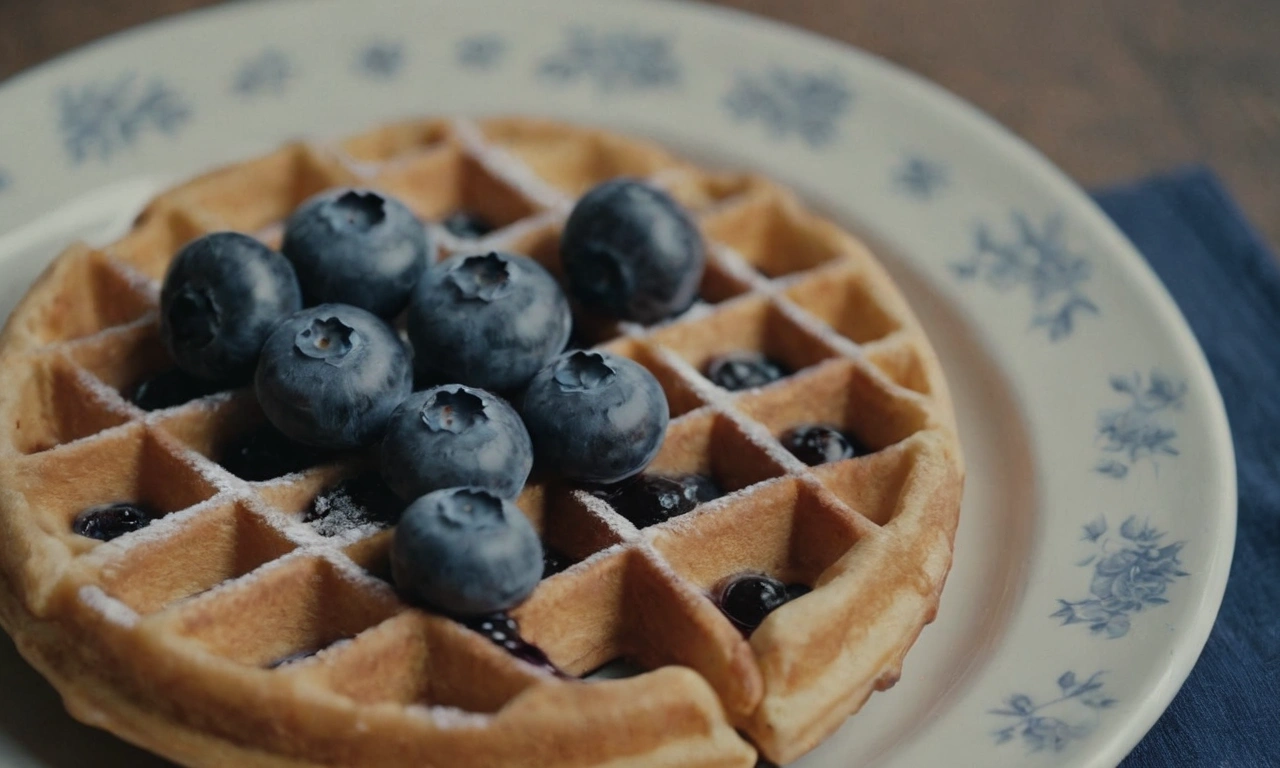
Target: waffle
170, 636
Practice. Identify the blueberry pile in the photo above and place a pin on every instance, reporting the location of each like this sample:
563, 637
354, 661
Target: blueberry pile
648, 500
484, 333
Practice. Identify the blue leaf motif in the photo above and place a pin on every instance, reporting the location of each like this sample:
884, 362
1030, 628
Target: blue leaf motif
100, 118
807, 104
1056, 723
381, 60
1035, 257
616, 60
920, 177
481, 52
267, 73
1094, 529
1140, 430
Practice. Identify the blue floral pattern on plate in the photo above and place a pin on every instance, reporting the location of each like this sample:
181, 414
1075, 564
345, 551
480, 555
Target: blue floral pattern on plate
920, 177
1129, 575
381, 60
1056, 723
807, 104
615, 60
268, 73
100, 118
481, 52
1036, 257
1141, 429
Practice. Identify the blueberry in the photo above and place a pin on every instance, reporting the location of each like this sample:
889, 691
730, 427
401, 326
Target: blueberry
265, 453
504, 632
169, 388
223, 295
351, 503
489, 320
452, 436
330, 376
468, 225
651, 499
595, 417
632, 252
816, 444
357, 247
110, 521
749, 598
745, 370
466, 552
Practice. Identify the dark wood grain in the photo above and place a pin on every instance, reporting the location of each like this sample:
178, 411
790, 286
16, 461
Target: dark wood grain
1108, 90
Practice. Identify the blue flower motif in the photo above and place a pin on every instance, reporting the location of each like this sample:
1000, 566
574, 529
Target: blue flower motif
381, 60
481, 52
920, 177
267, 73
1129, 575
1038, 258
617, 60
1140, 430
1042, 732
809, 104
97, 119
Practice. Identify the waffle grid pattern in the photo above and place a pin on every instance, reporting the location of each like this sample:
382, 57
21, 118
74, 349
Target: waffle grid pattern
230, 580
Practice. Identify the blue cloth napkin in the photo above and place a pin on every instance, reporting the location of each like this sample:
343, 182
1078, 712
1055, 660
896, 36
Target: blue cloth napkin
1227, 283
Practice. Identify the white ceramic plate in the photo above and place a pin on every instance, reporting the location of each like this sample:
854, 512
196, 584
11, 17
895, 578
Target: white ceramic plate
1100, 510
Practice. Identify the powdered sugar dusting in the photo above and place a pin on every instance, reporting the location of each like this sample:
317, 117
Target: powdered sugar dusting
616, 523
508, 168
110, 608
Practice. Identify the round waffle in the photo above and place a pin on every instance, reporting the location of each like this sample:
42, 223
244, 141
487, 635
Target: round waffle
171, 636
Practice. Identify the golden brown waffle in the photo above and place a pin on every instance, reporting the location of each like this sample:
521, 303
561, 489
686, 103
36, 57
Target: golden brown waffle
166, 636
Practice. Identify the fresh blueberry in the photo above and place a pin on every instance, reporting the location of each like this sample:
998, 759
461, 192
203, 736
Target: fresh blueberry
331, 375
595, 417
749, 598
169, 388
632, 252
352, 503
504, 632
466, 552
357, 247
452, 436
468, 225
223, 295
110, 521
647, 500
265, 453
489, 320
745, 370
816, 444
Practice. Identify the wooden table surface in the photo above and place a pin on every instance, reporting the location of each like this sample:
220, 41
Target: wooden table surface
1109, 89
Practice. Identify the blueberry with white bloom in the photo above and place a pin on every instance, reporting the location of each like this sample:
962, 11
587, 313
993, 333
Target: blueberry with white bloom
595, 417
357, 247
330, 376
487, 320
223, 295
466, 552
452, 436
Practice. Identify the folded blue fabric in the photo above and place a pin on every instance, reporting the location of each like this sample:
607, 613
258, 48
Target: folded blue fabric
1227, 284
